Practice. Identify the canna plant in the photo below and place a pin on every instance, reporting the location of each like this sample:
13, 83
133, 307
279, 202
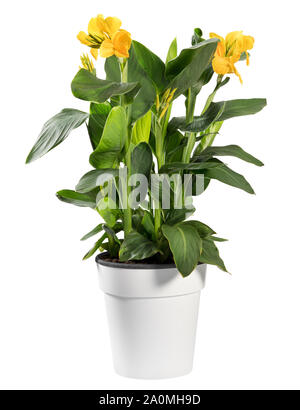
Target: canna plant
132, 133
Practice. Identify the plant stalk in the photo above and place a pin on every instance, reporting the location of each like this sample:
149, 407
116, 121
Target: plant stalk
191, 136
127, 210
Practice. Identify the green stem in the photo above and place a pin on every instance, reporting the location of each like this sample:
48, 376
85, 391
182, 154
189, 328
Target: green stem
191, 136
160, 155
127, 211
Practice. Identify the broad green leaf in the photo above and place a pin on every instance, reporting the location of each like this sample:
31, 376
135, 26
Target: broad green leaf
136, 246
226, 175
185, 244
210, 255
141, 129
56, 131
95, 178
151, 64
174, 216
228, 150
236, 108
219, 111
107, 153
76, 198
96, 246
176, 167
86, 86
97, 118
202, 229
200, 123
141, 159
145, 97
186, 69
93, 232
172, 52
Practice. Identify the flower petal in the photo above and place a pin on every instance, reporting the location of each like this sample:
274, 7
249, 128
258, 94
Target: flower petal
221, 65
107, 48
112, 24
214, 35
84, 38
95, 52
122, 42
94, 29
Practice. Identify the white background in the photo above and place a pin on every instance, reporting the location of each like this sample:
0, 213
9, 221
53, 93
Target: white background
53, 331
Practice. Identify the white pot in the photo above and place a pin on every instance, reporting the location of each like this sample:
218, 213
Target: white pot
152, 316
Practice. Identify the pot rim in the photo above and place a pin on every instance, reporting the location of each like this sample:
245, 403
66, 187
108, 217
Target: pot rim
104, 262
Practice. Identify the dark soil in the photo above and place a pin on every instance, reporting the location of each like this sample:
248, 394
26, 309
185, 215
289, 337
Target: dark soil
153, 260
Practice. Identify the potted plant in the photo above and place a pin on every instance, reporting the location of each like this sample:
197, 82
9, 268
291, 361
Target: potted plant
146, 169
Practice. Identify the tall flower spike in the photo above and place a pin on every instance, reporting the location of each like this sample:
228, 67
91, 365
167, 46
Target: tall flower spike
107, 36
229, 51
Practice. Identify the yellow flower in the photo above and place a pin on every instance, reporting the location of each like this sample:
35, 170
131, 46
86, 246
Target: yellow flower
107, 36
87, 64
229, 51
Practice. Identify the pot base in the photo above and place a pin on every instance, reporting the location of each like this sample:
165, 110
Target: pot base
153, 338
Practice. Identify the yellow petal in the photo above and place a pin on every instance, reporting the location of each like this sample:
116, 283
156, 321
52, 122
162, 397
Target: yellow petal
84, 38
93, 27
107, 48
95, 52
221, 49
113, 24
221, 65
101, 23
248, 42
238, 74
121, 43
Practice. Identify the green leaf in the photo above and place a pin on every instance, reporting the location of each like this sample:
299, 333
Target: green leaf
202, 229
226, 175
96, 246
141, 160
175, 167
56, 131
107, 153
107, 208
172, 52
197, 36
236, 108
136, 246
210, 255
148, 224
186, 69
86, 86
151, 64
111, 233
93, 232
185, 244
174, 216
97, 119
209, 136
76, 198
228, 150
95, 178
145, 97
141, 129
199, 123
217, 239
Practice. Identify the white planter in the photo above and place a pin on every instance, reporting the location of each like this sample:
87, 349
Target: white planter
152, 316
